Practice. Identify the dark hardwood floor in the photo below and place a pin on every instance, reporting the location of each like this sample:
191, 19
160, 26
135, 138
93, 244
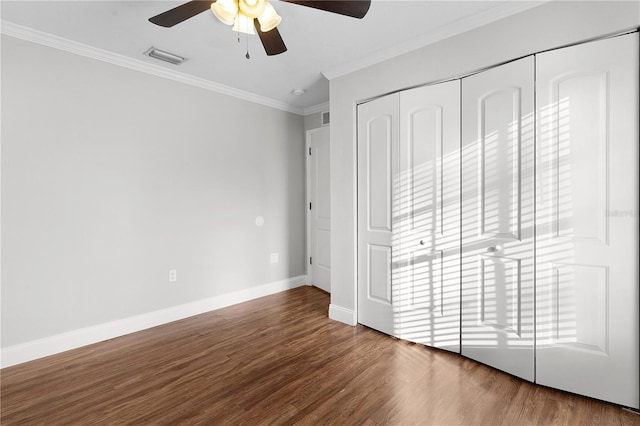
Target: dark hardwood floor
279, 360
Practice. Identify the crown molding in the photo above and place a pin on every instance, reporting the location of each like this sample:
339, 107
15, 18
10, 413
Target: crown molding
449, 30
316, 108
50, 40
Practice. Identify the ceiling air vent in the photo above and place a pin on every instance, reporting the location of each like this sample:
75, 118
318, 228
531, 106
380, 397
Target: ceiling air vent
325, 118
165, 56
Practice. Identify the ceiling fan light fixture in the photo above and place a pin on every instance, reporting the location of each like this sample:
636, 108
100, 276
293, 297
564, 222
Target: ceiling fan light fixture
252, 8
243, 24
243, 13
269, 18
225, 10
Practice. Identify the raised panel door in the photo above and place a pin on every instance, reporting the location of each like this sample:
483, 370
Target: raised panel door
587, 220
498, 217
377, 188
427, 243
319, 209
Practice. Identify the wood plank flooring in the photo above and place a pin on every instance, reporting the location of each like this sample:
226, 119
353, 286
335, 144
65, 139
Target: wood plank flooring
279, 360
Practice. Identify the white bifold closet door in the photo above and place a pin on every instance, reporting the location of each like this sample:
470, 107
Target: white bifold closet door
426, 246
378, 144
498, 217
409, 215
587, 220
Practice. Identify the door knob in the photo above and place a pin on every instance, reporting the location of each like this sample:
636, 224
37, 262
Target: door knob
422, 242
494, 249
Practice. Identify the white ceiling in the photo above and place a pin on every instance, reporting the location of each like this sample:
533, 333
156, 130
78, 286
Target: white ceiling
318, 42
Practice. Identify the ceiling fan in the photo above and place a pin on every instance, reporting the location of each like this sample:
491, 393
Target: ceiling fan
259, 14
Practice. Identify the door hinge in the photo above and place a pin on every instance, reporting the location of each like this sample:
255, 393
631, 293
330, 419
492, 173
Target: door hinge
309, 150
309, 205
311, 261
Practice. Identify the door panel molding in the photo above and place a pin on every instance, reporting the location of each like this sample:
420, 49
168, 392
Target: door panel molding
500, 292
379, 173
378, 280
589, 89
500, 179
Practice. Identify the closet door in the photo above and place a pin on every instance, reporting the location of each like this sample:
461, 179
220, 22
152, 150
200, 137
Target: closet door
378, 138
498, 218
587, 220
427, 244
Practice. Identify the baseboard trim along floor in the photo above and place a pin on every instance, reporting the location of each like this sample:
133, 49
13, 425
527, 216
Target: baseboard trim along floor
35, 349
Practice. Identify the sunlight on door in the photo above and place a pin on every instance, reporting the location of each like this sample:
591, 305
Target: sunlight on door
426, 218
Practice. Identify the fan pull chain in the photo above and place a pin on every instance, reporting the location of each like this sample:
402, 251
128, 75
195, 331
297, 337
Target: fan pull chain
247, 35
247, 55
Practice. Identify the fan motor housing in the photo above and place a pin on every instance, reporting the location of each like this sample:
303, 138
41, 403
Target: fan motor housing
252, 8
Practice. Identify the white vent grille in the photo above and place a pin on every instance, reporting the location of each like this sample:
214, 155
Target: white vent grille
325, 118
164, 56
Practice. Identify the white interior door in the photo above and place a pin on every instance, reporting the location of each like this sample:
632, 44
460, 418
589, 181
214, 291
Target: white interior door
319, 208
427, 243
377, 187
498, 218
587, 220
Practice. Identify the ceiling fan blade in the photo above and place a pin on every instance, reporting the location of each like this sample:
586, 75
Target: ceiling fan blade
271, 40
181, 13
353, 8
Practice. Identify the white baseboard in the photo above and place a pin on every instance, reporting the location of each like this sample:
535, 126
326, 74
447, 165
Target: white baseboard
35, 349
341, 314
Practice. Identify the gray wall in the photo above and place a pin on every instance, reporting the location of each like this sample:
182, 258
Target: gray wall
551, 25
111, 177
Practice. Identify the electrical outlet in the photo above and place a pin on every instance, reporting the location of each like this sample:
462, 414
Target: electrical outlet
173, 275
275, 258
